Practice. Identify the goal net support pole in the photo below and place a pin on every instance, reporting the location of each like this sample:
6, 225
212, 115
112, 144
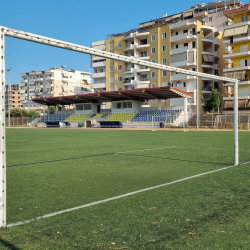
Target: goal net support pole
2, 134
4, 31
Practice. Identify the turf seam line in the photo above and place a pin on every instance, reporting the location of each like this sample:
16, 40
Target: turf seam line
119, 196
85, 156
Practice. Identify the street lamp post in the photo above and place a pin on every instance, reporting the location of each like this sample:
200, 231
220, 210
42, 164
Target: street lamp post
9, 95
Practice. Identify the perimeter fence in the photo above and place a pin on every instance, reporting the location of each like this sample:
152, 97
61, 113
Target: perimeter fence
161, 119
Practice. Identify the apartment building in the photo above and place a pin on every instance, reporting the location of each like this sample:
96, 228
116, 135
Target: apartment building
237, 56
191, 40
12, 96
52, 82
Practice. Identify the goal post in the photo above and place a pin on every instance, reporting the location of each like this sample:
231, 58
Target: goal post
4, 31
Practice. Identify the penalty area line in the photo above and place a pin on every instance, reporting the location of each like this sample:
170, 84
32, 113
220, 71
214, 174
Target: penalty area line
119, 196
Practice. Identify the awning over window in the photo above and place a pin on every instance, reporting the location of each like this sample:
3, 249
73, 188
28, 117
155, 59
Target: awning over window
236, 31
176, 16
208, 58
179, 57
240, 75
186, 14
230, 104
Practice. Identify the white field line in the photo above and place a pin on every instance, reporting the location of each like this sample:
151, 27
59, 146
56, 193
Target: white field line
87, 156
118, 197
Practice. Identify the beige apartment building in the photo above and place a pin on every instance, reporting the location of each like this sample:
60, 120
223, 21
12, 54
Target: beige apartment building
12, 96
191, 39
52, 82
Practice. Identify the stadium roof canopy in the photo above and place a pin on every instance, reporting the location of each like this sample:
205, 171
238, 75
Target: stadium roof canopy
123, 95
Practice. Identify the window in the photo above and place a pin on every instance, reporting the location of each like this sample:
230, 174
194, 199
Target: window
176, 46
125, 105
111, 60
153, 61
185, 44
111, 89
119, 67
111, 79
87, 106
79, 107
164, 60
119, 89
111, 69
164, 84
164, 35
119, 45
185, 31
153, 100
153, 50
119, 78
153, 85
153, 38
184, 84
193, 45
164, 48
101, 70
244, 19
210, 19
176, 33
111, 47
164, 73
153, 74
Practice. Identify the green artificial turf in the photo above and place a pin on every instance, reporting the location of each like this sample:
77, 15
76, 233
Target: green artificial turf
208, 212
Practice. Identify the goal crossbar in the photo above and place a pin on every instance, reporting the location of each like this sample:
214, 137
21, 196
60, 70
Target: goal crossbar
4, 31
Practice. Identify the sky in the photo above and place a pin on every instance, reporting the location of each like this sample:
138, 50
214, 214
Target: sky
76, 21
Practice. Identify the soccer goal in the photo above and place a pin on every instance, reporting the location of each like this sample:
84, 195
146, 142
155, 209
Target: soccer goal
4, 31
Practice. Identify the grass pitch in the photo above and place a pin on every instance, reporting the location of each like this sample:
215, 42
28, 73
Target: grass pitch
84, 166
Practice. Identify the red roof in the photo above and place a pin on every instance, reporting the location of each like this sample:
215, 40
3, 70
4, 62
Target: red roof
123, 95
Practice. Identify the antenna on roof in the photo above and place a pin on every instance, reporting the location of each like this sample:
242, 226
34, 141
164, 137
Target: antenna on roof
63, 66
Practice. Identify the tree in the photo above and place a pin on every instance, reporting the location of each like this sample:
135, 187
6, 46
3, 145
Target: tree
33, 112
213, 102
52, 110
17, 112
59, 108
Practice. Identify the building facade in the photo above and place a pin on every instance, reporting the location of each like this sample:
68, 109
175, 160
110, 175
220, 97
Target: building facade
192, 39
52, 82
12, 96
237, 56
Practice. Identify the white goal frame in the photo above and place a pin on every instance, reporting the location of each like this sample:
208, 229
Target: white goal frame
4, 31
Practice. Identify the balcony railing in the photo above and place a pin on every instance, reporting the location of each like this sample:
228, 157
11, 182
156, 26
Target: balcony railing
236, 51
143, 79
232, 65
237, 9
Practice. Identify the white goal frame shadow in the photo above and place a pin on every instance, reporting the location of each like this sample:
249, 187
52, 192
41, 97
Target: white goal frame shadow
4, 31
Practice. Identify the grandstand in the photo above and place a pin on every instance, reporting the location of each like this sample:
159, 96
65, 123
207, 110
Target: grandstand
121, 117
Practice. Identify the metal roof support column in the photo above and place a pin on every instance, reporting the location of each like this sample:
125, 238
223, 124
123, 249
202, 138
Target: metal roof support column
185, 111
48, 113
236, 125
2, 133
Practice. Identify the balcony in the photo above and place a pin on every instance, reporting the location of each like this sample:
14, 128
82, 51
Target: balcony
238, 39
183, 24
209, 65
99, 64
200, 15
144, 57
182, 38
143, 69
24, 81
235, 67
232, 11
65, 79
129, 82
142, 34
142, 46
182, 77
143, 81
236, 24
40, 79
142, 85
97, 75
180, 50
129, 48
183, 64
99, 85
208, 89
230, 54
128, 37
230, 96
49, 78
